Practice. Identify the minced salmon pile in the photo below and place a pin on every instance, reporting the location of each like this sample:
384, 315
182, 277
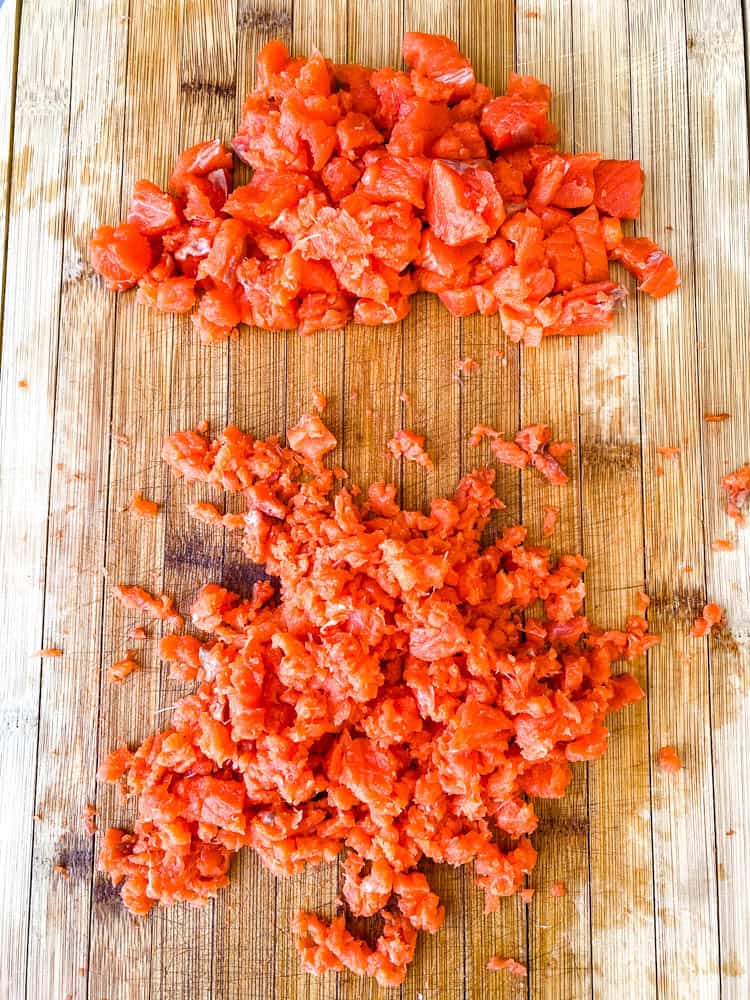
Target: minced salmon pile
369, 185
400, 692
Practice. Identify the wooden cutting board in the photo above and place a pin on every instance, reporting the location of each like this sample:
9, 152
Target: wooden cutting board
656, 866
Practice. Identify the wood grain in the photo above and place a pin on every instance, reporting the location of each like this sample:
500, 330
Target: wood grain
718, 144
559, 928
69, 703
143, 345
620, 859
27, 415
679, 704
108, 91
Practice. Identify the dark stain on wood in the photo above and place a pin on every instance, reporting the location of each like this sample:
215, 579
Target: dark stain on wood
604, 456
571, 826
191, 550
265, 21
240, 575
208, 88
75, 854
106, 894
677, 604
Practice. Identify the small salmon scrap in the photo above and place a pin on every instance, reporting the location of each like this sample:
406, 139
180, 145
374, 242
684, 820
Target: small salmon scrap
550, 515
711, 616
142, 507
411, 446
122, 669
159, 608
531, 445
498, 964
669, 759
466, 366
722, 545
737, 485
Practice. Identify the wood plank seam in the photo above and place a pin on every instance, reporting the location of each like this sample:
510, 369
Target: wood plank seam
704, 518
49, 483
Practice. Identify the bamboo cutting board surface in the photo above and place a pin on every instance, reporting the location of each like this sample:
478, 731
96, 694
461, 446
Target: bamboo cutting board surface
95, 94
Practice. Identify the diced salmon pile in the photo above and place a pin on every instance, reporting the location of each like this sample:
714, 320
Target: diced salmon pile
371, 184
405, 694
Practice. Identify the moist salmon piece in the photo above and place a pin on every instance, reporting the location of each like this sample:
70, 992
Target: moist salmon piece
649, 263
120, 254
152, 211
619, 186
311, 438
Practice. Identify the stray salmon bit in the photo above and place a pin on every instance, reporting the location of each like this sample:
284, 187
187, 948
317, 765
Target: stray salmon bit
669, 759
716, 418
672, 454
737, 485
526, 895
558, 889
89, 819
122, 669
359, 704
23, 384
479, 432
202, 427
141, 507
643, 600
121, 440
550, 515
498, 964
137, 633
466, 366
369, 185
712, 614
319, 401
722, 545
531, 445
62, 871
48, 652
159, 608
411, 446
405, 398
